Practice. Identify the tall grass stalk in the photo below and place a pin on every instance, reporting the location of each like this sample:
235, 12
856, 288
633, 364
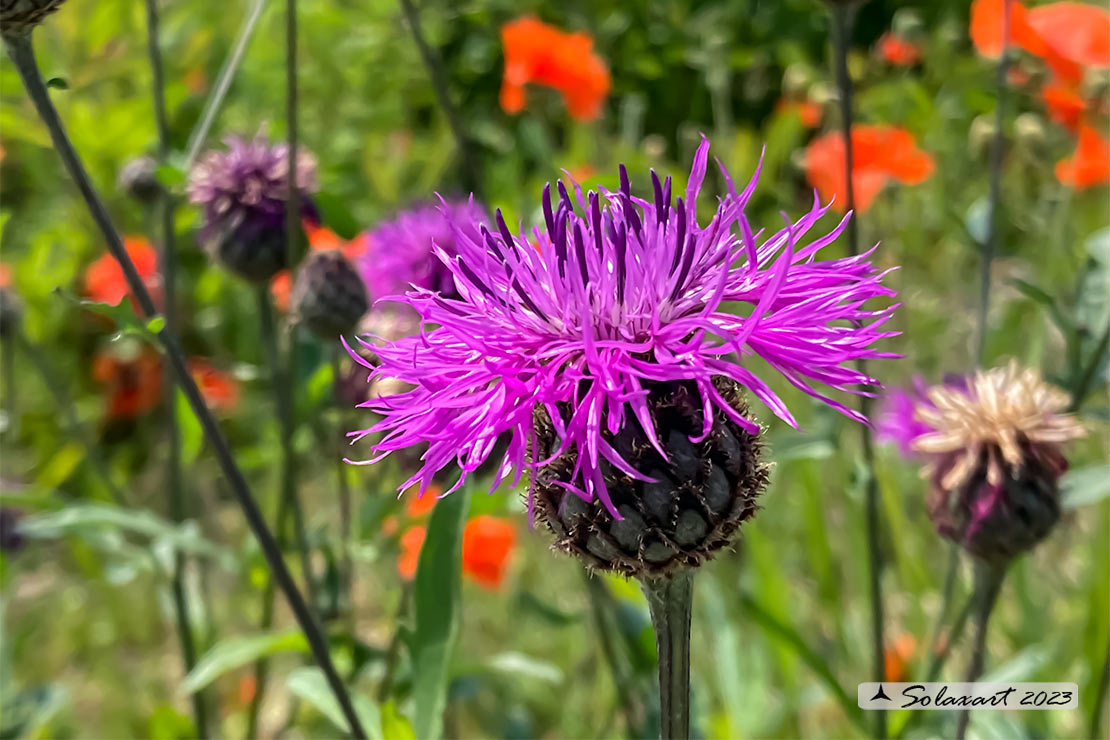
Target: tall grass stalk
843, 19
22, 54
168, 264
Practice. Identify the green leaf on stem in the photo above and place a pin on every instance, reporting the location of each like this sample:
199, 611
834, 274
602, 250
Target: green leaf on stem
242, 650
437, 599
309, 684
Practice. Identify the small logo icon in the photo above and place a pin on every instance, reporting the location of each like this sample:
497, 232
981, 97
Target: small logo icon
880, 694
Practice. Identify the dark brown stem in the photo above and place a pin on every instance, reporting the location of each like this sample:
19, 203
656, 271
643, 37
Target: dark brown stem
22, 54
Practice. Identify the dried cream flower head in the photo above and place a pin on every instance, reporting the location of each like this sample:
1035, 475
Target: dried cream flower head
998, 415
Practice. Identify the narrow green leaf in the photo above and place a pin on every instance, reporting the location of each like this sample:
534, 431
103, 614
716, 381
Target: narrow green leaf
95, 519
395, 726
1084, 486
816, 662
156, 324
310, 685
519, 665
192, 435
236, 652
437, 595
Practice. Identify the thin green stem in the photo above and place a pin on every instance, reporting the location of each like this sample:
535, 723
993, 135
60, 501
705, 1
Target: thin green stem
1090, 370
995, 191
843, 18
22, 54
671, 602
346, 569
7, 358
393, 652
283, 400
469, 172
988, 578
1100, 695
174, 484
223, 84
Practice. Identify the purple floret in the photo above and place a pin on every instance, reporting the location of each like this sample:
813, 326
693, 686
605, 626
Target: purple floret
620, 294
401, 251
249, 183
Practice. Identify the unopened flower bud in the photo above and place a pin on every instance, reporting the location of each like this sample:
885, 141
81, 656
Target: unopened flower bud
979, 135
329, 296
11, 312
1029, 131
137, 180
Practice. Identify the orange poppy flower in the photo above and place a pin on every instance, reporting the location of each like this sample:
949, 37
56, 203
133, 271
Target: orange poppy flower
1064, 104
5, 275
220, 389
104, 281
411, 542
809, 112
880, 154
488, 544
281, 287
1090, 164
1069, 36
896, 50
417, 506
1077, 32
897, 658
134, 385
536, 53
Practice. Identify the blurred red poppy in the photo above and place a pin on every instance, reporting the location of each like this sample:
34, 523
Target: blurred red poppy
880, 154
104, 280
898, 51
488, 544
5, 275
536, 53
417, 506
897, 658
1090, 164
1064, 104
411, 542
1069, 36
133, 385
809, 112
220, 389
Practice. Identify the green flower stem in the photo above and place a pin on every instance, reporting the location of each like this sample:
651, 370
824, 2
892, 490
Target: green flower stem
7, 358
1087, 377
843, 19
671, 601
346, 568
174, 484
988, 583
995, 189
1100, 696
22, 54
469, 172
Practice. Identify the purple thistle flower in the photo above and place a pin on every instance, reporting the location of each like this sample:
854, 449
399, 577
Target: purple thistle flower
243, 191
401, 251
896, 421
624, 294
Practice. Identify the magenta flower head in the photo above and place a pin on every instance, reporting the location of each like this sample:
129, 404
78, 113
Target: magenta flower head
897, 421
402, 251
613, 358
995, 446
244, 191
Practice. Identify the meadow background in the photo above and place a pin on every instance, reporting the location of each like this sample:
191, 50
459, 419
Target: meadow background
88, 642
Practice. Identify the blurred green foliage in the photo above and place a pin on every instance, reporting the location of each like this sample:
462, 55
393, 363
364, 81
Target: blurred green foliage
89, 649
